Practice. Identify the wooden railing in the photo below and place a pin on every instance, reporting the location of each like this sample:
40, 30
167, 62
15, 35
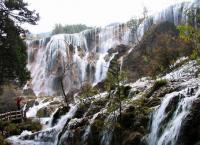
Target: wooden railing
12, 116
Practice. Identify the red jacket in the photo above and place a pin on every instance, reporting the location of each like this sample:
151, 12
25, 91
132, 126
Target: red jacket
18, 100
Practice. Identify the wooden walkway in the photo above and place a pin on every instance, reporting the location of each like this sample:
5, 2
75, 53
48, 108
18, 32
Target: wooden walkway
12, 116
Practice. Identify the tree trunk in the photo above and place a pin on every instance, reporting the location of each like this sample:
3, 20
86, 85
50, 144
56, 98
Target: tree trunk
63, 90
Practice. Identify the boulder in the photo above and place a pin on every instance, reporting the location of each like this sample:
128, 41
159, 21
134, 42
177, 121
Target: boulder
60, 112
28, 92
132, 138
190, 130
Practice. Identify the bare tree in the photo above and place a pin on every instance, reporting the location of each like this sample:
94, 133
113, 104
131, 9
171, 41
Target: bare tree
64, 72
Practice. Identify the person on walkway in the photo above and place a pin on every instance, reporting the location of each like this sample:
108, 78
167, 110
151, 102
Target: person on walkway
18, 102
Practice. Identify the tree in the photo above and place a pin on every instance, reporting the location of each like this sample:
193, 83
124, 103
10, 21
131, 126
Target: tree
64, 73
12, 47
190, 32
69, 29
133, 24
58, 29
114, 84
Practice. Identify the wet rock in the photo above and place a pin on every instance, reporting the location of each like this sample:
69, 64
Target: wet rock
81, 111
173, 104
121, 49
36, 103
126, 90
28, 92
79, 124
30, 104
153, 101
132, 138
44, 112
61, 111
190, 130
54, 103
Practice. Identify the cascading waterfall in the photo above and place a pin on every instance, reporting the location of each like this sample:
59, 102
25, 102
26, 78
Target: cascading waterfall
86, 53
48, 136
167, 119
164, 132
175, 14
107, 134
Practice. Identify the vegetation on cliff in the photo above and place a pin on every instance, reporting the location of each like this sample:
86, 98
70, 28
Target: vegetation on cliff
69, 29
8, 129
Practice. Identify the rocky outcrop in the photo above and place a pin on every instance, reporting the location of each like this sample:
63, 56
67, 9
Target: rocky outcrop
190, 130
155, 52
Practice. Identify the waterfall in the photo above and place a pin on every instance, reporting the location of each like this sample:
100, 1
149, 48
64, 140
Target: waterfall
86, 53
107, 133
167, 119
165, 127
48, 136
175, 14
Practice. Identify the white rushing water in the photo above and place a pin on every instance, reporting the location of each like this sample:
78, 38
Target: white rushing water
167, 118
47, 136
77, 58
170, 129
33, 110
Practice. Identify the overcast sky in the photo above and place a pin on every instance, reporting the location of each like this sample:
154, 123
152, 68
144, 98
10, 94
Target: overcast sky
90, 12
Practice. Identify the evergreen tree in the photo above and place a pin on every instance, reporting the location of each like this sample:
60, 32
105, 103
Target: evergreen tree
69, 29
58, 29
12, 47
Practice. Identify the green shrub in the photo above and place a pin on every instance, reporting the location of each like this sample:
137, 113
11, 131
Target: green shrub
158, 84
30, 125
43, 112
98, 124
35, 126
12, 129
2, 124
87, 91
3, 141
194, 55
